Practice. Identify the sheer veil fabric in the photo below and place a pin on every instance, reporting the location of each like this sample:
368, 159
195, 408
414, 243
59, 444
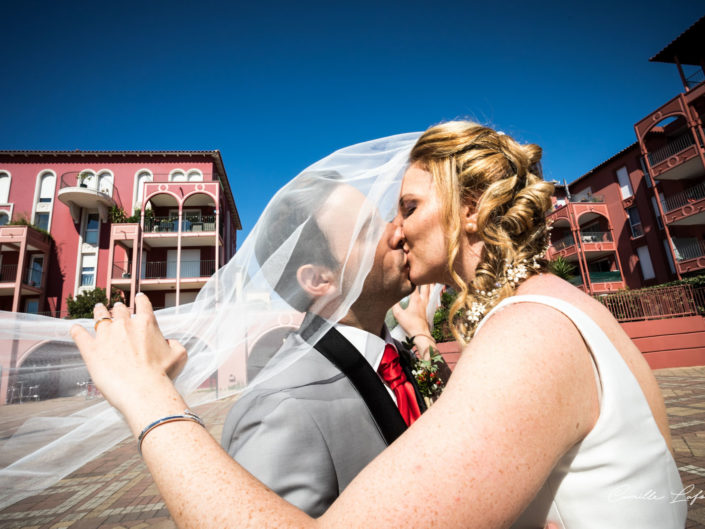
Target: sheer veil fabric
237, 322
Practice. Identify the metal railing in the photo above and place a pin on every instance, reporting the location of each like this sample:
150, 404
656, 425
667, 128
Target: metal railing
674, 146
73, 179
637, 230
167, 269
8, 273
688, 250
595, 236
682, 198
564, 242
598, 277
655, 303
171, 224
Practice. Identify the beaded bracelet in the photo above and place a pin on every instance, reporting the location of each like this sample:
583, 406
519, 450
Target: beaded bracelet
188, 415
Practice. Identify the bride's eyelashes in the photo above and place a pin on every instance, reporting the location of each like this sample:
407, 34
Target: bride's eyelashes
407, 207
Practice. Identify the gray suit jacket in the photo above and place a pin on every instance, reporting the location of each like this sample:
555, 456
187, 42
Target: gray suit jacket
305, 432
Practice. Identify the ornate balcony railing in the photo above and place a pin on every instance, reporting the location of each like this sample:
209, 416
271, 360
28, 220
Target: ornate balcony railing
678, 200
674, 146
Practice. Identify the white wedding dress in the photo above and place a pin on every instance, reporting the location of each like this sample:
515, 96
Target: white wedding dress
622, 474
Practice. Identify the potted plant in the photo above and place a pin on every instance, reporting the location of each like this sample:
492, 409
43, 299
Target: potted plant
82, 177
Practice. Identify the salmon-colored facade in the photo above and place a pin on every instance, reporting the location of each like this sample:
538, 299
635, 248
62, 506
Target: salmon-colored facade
638, 219
186, 227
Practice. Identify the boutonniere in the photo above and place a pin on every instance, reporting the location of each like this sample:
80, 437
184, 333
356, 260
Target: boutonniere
427, 378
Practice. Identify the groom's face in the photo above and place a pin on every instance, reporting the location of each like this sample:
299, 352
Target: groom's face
388, 280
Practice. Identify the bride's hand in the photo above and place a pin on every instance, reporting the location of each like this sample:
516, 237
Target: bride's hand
413, 318
129, 359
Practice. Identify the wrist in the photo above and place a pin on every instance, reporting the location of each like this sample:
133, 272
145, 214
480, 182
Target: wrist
142, 408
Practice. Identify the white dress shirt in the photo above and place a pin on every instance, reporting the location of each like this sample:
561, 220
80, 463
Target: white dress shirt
370, 346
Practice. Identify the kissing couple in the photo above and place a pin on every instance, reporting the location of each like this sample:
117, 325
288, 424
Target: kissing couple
550, 408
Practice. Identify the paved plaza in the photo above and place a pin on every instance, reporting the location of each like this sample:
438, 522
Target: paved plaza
116, 491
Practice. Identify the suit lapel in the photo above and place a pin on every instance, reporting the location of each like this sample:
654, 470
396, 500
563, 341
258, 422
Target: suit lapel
341, 353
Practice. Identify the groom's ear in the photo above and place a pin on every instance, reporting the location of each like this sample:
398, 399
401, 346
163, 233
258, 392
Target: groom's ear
315, 280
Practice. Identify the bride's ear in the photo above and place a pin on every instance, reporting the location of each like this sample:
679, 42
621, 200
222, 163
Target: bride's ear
315, 280
468, 218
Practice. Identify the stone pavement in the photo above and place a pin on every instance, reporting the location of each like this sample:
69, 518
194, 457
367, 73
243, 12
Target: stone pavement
116, 491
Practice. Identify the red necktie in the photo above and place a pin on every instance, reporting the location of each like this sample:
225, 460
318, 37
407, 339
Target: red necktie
393, 375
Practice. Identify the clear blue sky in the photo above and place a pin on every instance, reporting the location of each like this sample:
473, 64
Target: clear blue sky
277, 85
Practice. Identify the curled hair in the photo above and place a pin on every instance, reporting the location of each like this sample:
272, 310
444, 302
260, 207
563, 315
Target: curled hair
500, 178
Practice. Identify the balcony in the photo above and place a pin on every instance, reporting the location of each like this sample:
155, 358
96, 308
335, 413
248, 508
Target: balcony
601, 281
78, 195
677, 160
687, 207
171, 224
195, 231
563, 243
690, 254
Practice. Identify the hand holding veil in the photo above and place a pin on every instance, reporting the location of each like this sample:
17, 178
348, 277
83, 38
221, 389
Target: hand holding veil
237, 321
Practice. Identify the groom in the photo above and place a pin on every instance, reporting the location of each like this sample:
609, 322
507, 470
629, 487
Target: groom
308, 431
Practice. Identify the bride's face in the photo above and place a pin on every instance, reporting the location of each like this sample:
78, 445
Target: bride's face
420, 217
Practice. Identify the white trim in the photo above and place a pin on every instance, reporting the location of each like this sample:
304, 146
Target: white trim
37, 188
87, 250
99, 187
93, 173
171, 175
135, 188
9, 186
192, 172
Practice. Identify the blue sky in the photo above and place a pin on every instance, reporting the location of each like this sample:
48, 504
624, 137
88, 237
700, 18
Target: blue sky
277, 85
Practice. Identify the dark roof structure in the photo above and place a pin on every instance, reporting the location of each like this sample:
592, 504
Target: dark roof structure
688, 46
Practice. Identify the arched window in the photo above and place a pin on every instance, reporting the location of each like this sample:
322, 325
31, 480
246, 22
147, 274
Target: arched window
177, 176
4, 187
195, 175
4, 218
140, 179
105, 182
43, 206
87, 178
46, 187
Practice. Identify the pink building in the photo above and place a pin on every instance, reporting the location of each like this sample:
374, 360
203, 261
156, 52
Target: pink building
186, 227
638, 218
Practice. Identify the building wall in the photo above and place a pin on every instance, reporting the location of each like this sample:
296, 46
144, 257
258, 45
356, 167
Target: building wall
62, 269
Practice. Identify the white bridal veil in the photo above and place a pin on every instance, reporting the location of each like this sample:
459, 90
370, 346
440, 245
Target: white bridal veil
56, 423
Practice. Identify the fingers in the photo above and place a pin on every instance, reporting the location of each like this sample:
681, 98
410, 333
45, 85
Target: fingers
82, 337
142, 305
100, 311
180, 357
120, 311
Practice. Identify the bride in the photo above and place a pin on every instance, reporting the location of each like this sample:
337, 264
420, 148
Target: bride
551, 415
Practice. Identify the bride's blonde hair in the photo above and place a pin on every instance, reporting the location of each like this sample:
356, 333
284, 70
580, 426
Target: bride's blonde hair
501, 179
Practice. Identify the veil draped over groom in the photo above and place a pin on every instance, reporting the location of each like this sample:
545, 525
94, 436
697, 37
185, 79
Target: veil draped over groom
235, 324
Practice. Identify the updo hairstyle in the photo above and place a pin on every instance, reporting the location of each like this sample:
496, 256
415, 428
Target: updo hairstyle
501, 179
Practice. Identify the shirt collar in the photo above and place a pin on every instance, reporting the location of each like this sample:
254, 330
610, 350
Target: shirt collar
369, 345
